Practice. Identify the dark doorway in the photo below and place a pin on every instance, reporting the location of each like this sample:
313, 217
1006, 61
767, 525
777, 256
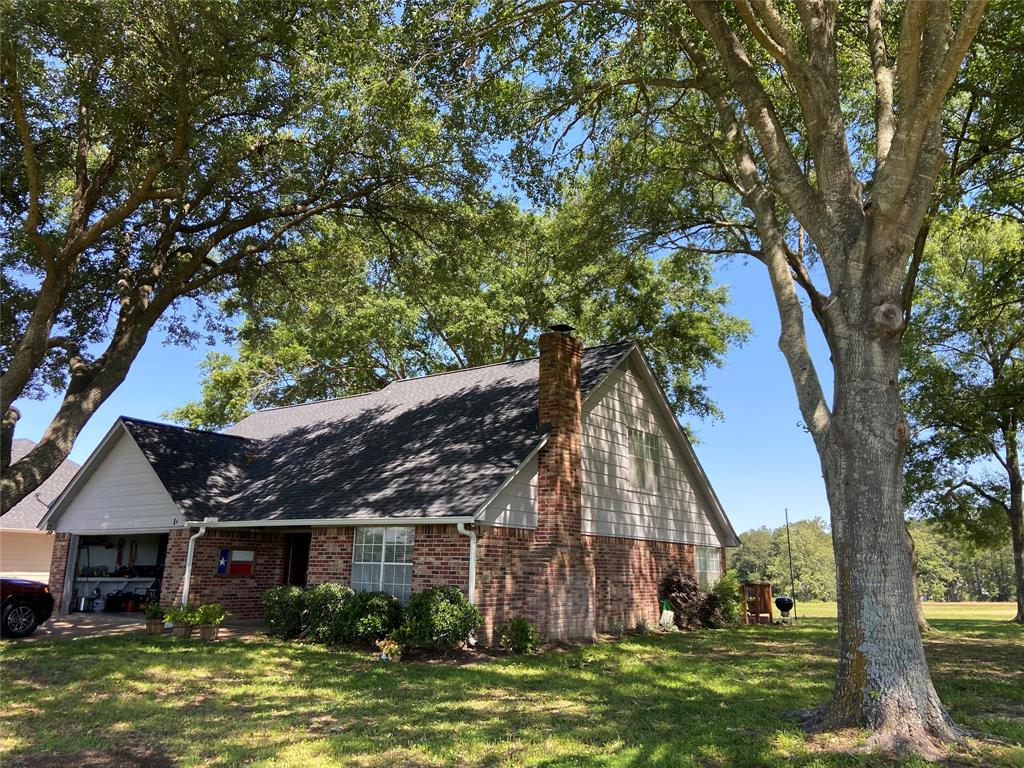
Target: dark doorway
297, 562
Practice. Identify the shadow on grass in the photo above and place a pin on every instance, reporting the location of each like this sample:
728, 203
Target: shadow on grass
696, 699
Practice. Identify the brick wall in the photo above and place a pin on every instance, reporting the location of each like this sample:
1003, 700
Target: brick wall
440, 558
59, 566
627, 575
624, 574
240, 595
330, 556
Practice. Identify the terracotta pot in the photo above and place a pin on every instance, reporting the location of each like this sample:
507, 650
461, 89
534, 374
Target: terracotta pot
183, 631
208, 632
154, 626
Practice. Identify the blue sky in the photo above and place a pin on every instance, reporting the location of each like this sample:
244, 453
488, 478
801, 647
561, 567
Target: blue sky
758, 458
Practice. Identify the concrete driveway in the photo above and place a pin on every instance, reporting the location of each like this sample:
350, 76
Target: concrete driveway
75, 625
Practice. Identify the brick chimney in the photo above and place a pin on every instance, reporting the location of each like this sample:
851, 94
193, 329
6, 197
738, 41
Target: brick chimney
561, 570
559, 461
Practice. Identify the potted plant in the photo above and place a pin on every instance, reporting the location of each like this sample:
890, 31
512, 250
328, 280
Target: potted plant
154, 618
390, 650
184, 619
209, 618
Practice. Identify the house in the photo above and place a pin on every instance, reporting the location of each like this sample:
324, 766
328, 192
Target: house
559, 488
24, 549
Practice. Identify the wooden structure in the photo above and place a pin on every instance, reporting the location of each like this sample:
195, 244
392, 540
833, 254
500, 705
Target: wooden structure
758, 600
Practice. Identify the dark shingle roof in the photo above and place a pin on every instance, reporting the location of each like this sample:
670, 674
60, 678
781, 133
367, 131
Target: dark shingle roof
26, 514
199, 469
436, 446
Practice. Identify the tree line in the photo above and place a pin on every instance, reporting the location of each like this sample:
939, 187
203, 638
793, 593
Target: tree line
948, 568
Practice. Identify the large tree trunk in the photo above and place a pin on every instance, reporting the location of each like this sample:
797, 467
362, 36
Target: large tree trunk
882, 681
1016, 512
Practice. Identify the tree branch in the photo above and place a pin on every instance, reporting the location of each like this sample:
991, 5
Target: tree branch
885, 121
796, 190
34, 217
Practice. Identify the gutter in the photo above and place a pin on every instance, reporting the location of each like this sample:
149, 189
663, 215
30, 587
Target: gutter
329, 523
471, 587
187, 580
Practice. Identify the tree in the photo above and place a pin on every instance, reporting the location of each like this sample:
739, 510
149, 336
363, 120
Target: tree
153, 153
764, 556
814, 563
476, 289
964, 383
752, 560
809, 138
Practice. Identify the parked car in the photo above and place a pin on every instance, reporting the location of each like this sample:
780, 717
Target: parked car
24, 605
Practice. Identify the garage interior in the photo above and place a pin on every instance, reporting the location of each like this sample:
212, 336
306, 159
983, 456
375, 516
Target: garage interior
117, 572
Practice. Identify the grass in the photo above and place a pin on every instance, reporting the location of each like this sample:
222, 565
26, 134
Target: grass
696, 699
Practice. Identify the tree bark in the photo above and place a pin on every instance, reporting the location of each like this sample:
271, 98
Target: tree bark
882, 680
1016, 513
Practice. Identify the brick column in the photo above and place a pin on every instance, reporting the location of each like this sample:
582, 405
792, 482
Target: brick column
174, 566
59, 566
559, 568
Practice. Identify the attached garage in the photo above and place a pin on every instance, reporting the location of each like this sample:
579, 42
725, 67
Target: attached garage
114, 521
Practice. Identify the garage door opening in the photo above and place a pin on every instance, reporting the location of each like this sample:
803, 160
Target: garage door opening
117, 573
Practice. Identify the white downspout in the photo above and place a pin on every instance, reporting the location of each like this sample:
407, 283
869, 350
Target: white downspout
191, 555
471, 587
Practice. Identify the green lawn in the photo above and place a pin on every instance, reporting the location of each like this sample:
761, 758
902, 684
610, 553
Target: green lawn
697, 699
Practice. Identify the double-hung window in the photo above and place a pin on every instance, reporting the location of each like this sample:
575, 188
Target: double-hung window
709, 566
644, 460
382, 560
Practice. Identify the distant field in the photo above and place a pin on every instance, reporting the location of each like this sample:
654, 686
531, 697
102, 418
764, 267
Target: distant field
932, 610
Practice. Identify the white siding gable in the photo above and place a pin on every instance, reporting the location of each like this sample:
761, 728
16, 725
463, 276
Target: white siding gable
612, 504
122, 493
515, 506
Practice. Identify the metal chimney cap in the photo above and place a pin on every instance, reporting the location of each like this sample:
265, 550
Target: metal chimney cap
562, 328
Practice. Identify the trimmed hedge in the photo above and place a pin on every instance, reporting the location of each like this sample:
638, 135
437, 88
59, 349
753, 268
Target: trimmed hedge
282, 610
365, 618
439, 619
323, 604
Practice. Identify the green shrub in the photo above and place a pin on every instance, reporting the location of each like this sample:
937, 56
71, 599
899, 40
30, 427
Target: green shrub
323, 604
730, 597
183, 615
439, 618
154, 610
518, 635
365, 617
282, 610
211, 613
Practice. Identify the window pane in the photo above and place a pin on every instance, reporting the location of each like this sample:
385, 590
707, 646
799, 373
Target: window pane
369, 535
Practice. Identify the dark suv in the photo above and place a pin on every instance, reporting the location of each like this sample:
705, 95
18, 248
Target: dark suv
24, 605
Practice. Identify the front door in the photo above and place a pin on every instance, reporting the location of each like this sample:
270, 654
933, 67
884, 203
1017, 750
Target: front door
297, 561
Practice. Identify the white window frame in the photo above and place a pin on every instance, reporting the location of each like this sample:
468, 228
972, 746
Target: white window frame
704, 555
644, 460
382, 563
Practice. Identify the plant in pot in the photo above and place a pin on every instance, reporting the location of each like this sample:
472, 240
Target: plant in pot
155, 617
390, 650
184, 619
209, 618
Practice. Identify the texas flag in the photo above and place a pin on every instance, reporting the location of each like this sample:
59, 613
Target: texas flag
222, 563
